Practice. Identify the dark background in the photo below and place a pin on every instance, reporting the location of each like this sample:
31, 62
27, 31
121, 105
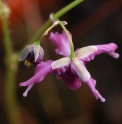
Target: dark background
51, 101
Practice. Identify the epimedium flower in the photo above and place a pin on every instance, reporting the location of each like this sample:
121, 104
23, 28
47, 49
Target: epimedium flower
72, 68
32, 54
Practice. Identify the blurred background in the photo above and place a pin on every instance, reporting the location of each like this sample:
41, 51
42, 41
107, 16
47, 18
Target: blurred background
51, 101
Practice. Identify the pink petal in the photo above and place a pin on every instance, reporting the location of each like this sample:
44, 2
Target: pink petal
27, 90
71, 79
95, 92
61, 42
105, 48
42, 70
108, 48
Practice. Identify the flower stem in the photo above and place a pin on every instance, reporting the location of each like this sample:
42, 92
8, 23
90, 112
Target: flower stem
7, 40
46, 32
72, 54
48, 22
0, 2
10, 74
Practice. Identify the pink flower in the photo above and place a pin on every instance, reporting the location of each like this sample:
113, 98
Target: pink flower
73, 70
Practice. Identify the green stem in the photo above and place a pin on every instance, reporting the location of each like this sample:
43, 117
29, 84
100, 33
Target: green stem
67, 8
72, 54
0, 2
7, 41
48, 22
46, 32
10, 74
10, 97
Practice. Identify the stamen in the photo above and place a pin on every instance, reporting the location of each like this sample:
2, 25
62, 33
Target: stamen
27, 63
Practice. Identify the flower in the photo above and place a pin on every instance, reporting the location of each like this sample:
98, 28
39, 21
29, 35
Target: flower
32, 54
41, 70
73, 70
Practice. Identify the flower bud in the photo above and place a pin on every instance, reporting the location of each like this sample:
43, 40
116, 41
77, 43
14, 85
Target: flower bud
32, 54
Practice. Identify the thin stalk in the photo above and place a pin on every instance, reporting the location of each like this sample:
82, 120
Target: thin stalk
72, 54
48, 22
10, 74
10, 97
7, 40
46, 32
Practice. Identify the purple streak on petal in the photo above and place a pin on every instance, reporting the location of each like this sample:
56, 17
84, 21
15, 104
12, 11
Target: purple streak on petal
61, 42
42, 70
106, 48
71, 79
91, 83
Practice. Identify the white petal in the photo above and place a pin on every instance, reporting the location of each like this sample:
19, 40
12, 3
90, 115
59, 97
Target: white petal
26, 51
38, 50
85, 51
80, 70
61, 62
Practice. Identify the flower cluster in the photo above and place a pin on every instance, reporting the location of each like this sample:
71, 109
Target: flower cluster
71, 67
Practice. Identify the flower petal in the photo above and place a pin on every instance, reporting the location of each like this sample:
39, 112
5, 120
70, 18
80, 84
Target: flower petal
61, 63
27, 90
108, 48
95, 92
80, 69
42, 70
38, 51
61, 42
25, 52
105, 48
85, 51
71, 79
